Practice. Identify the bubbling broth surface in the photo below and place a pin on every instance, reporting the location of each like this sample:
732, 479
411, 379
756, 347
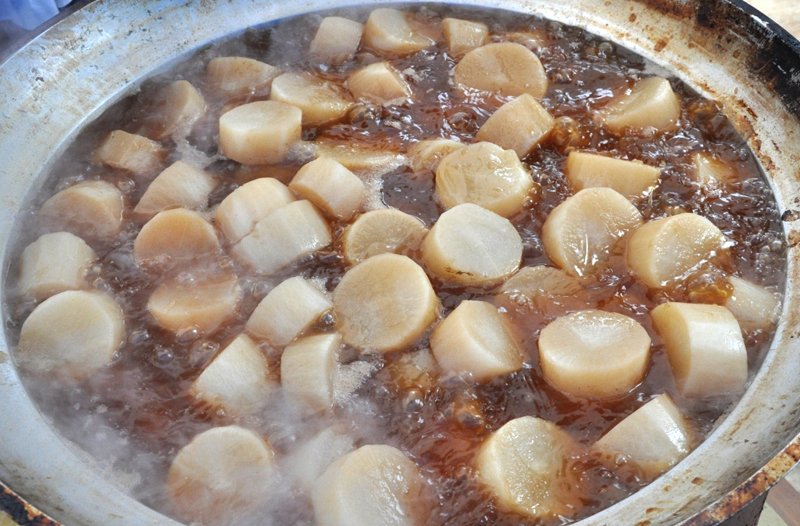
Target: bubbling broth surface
135, 414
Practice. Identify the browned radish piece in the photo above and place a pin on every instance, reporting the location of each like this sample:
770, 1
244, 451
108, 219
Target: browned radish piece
91, 210
594, 353
388, 30
307, 369
483, 174
221, 474
337, 39
379, 83
175, 235
753, 306
579, 233
333, 188
370, 296
287, 311
472, 246
237, 380
711, 171
463, 35
312, 458
284, 236
651, 104
239, 212
415, 370
505, 68
518, 125
183, 106
357, 158
180, 185
321, 101
426, 154
381, 231
374, 485
133, 153
474, 340
537, 287
665, 251
260, 132
54, 263
71, 336
525, 464
653, 438
234, 76
202, 306
705, 348
629, 178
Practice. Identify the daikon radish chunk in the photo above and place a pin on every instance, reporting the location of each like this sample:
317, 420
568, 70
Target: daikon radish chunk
221, 474
333, 188
260, 132
525, 465
243, 208
133, 153
321, 101
629, 178
579, 233
665, 251
594, 353
54, 263
337, 39
505, 68
379, 83
753, 306
71, 336
473, 246
374, 485
91, 210
426, 154
183, 106
180, 185
175, 235
233, 76
388, 30
284, 236
201, 306
380, 231
357, 158
711, 171
483, 174
384, 303
287, 311
415, 370
518, 125
307, 369
541, 281
463, 35
651, 104
705, 348
474, 340
313, 457
653, 438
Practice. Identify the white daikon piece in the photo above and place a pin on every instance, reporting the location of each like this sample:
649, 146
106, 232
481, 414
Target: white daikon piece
580, 232
91, 210
384, 303
286, 235
705, 348
651, 104
337, 39
380, 231
653, 438
541, 281
374, 485
243, 208
629, 178
221, 474
505, 68
388, 31
475, 340
313, 457
426, 154
260, 132
666, 251
708, 170
180, 185
175, 235
183, 106
357, 158
463, 35
308, 366
321, 101
54, 263
233, 76
379, 83
484, 174
753, 306
518, 125
333, 188
594, 353
237, 380
287, 311
71, 336
133, 153
473, 246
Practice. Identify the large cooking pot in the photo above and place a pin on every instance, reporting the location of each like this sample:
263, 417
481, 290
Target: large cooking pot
73, 71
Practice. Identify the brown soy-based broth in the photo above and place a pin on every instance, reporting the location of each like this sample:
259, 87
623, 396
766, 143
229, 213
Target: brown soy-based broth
139, 407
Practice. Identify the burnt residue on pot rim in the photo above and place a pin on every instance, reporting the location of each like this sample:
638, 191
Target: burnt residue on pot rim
20, 511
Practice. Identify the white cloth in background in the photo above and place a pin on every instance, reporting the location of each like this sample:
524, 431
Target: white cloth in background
30, 14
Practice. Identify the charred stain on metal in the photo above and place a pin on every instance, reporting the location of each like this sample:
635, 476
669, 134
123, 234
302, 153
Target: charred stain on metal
661, 44
790, 215
21, 512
